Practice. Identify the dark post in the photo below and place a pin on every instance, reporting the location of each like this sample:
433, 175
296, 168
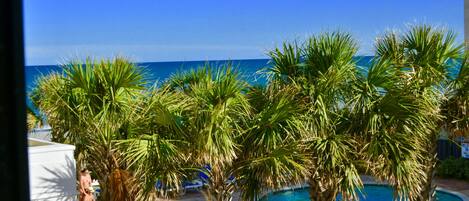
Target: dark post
14, 184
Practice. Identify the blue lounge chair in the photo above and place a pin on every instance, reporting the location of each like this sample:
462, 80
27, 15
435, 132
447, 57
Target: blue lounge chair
204, 177
196, 184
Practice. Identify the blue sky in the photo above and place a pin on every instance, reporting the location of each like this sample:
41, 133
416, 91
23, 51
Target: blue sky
183, 30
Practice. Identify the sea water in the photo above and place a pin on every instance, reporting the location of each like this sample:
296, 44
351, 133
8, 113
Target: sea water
160, 71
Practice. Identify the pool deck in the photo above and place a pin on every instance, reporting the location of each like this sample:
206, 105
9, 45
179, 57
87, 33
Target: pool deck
457, 187
454, 186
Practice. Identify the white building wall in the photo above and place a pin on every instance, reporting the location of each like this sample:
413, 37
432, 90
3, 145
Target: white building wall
52, 172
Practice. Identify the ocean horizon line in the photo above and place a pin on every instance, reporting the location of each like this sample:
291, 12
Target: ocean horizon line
179, 61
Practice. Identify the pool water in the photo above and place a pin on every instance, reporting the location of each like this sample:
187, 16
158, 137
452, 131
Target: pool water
372, 193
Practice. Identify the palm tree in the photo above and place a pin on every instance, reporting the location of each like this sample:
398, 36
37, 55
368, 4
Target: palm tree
271, 154
323, 70
156, 147
329, 69
390, 120
455, 107
391, 111
217, 107
49, 95
246, 135
285, 63
422, 57
34, 120
88, 106
424, 51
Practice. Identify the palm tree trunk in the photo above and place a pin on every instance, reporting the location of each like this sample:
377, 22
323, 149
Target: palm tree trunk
114, 180
219, 189
318, 193
428, 191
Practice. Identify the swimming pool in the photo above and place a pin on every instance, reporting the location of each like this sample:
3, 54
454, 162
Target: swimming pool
372, 193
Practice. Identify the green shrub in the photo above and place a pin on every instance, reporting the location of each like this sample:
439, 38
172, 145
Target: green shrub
457, 168
466, 171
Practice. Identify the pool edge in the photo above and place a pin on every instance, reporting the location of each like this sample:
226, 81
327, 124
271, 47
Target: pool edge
444, 190
456, 193
460, 195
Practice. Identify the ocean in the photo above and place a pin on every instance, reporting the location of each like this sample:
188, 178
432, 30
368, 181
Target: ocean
160, 71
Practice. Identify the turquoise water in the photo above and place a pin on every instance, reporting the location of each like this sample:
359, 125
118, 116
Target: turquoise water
372, 193
159, 71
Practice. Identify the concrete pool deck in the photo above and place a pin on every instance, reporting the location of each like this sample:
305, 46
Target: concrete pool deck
458, 187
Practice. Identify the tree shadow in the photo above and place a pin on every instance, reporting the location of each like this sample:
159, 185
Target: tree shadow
60, 183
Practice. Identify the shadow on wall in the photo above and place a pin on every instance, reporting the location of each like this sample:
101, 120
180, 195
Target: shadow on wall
59, 182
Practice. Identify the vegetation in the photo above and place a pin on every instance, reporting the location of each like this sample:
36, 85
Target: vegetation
323, 71
87, 106
320, 119
382, 122
457, 168
455, 107
256, 145
425, 56
33, 118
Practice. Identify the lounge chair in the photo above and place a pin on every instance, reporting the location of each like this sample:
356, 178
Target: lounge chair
97, 189
204, 177
196, 184
170, 190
